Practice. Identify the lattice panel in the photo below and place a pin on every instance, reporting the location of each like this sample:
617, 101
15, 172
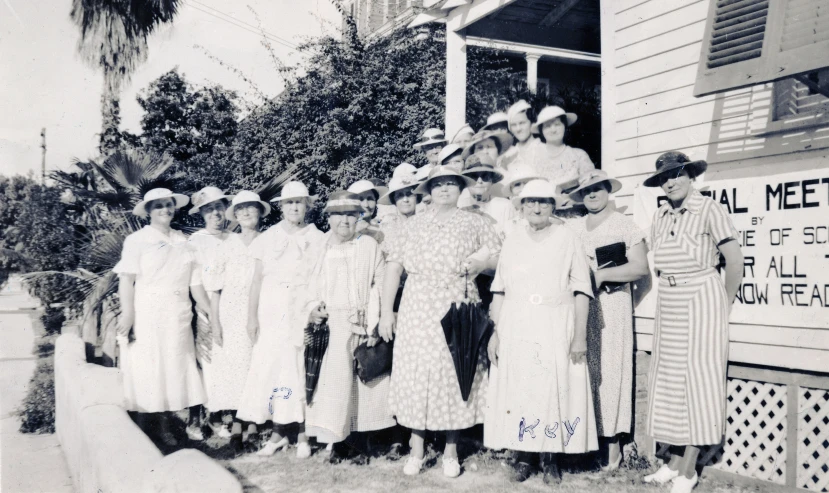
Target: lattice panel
755, 432
813, 439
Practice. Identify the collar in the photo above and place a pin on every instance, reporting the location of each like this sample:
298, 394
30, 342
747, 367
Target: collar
692, 205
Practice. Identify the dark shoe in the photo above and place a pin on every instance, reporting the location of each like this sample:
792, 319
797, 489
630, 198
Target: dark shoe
337, 454
552, 474
521, 471
395, 452
360, 460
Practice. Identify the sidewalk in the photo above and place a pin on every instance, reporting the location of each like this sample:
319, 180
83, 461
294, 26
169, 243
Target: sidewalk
28, 463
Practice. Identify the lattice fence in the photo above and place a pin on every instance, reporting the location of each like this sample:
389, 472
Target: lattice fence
813, 439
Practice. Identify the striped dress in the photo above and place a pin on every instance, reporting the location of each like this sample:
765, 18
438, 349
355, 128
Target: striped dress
687, 394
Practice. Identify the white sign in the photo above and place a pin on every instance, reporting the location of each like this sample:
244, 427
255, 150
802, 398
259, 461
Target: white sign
783, 224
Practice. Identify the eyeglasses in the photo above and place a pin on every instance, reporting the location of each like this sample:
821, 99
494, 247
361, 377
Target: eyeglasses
485, 177
542, 203
247, 208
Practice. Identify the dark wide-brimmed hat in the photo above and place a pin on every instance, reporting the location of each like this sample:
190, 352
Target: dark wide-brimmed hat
343, 201
672, 161
478, 163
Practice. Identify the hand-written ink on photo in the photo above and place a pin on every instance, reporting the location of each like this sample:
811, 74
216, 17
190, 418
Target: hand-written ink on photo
549, 430
278, 393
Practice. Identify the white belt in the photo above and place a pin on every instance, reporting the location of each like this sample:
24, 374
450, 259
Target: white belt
539, 299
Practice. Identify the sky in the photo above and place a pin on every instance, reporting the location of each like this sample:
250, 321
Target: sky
45, 84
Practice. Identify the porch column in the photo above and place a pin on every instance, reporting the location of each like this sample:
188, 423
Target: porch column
455, 82
532, 72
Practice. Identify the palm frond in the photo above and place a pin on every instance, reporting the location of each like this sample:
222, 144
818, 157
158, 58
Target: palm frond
269, 189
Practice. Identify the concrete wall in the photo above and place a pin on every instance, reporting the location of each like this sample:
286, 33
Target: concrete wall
105, 450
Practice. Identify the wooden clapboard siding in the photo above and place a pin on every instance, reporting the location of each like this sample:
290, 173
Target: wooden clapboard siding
664, 61
655, 45
664, 101
677, 19
664, 121
650, 84
645, 12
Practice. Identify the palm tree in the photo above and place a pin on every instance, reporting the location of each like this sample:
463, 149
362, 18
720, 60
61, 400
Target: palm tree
114, 39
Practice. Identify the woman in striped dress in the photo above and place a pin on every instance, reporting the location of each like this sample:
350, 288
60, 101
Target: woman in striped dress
686, 392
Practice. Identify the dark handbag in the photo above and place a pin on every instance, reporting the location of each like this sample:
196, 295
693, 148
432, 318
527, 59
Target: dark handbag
373, 362
612, 255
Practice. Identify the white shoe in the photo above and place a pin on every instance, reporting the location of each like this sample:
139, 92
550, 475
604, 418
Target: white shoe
194, 433
272, 447
224, 432
662, 476
612, 466
303, 450
684, 485
451, 467
413, 466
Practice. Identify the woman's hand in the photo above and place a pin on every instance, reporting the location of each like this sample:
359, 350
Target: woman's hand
126, 322
386, 327
578, 349
492, 348
253, 328
372, 341
473, 267
319, 315
217, 331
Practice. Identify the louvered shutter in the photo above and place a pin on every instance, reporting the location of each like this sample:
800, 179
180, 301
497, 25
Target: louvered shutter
750, 42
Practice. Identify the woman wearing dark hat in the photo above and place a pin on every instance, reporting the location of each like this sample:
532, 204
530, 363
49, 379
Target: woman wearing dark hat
687, 393
481, 169
489, 142
435, 249
539, 385
211, 204
557, 162
228, 278
345, 291
154, 278
284, 255
610, 324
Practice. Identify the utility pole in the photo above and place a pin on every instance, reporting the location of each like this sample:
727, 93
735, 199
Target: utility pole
43, 159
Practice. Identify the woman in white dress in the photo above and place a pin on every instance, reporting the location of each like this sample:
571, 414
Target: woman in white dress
539, 396
284, 257
211, 204
348, 280
228, 279
610, 324
154, 278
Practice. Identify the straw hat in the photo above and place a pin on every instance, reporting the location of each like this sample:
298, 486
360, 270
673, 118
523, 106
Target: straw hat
519, 107
449, 151
591, 178
503, 137
205, 196
159, 193
403, 170
478, 163
361, 186
246, 197
396, 184
464, 130
520, 174
675, 160
550, 113
343, 201
295, 190
431, 136
439, 172
497, 118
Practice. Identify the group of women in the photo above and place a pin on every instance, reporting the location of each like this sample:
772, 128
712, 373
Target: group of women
522, 224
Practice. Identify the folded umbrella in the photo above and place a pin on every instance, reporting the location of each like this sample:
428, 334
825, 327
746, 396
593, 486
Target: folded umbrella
316, 343
466, 327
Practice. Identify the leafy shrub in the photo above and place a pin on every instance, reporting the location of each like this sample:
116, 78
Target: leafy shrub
38, 408
52, 320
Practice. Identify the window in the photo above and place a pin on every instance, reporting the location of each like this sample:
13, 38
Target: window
799, 101
750, 42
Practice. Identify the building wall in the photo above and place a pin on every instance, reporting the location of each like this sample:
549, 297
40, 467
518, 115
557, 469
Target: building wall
650, 55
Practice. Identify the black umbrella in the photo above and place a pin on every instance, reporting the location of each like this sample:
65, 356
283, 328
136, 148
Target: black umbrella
467, 327
316, 342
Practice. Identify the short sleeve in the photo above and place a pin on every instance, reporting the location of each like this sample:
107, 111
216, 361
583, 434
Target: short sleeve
584, 162
212, 274
394, 245
488, 237
719, 224
631, 233
130, 257
580, 271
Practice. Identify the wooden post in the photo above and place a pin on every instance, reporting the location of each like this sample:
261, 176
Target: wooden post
792, 403
532, 72
455, 81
